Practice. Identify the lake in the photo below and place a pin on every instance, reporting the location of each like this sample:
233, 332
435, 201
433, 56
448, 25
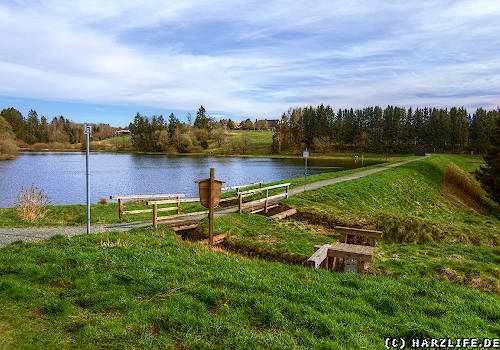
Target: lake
62, 175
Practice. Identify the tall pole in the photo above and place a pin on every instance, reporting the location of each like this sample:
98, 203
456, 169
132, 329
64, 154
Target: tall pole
87, 134
306, 155
211, 210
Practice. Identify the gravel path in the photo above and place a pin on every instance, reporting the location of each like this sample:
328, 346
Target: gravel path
33, 234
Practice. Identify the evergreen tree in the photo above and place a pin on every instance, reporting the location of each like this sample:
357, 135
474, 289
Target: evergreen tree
202, 121
16, 121
173, 124
32, 126
230, 124
489, 175
44, 129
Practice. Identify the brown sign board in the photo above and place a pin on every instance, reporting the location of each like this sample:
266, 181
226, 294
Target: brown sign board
204, 190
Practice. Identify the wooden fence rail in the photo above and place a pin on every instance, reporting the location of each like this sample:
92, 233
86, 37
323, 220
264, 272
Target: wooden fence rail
266, 199
155, 204
144, 196
238, 188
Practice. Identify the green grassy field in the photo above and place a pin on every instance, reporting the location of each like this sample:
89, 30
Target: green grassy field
148, 289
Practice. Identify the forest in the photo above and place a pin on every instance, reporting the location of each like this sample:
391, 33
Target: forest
377, 130
320, 129
16, 131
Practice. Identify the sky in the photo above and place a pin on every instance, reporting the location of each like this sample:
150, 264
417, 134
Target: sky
104, 61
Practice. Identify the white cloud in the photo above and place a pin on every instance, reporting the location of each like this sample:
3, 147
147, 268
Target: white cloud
75, 51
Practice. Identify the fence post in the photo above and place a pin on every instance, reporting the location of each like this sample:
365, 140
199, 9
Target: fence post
287, 189
240, 200
178, 205
265, 203
155, 215
260, 186
120, 209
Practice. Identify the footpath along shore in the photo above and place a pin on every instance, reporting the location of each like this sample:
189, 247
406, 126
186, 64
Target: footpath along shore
9, 235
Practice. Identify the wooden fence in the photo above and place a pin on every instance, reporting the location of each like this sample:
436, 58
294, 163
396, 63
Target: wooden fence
176, 199
168, 201
238, 188
145, 196
266, 199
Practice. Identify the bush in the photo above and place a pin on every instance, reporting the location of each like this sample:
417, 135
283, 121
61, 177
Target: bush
195, 149
163, 140
8, 147
321, 144
459, 178
201, 134
219, 136
204, 144
103, 201
184, 144
32, 203
40, 146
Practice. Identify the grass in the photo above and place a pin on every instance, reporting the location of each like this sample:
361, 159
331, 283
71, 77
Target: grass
260, 140
148, 289
293, 241
429, 230
409, 203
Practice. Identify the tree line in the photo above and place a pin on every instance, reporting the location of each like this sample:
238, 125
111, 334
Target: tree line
377, 130
155, 134
33, 129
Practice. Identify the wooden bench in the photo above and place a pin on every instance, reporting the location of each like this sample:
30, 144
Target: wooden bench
358, 236
338, 255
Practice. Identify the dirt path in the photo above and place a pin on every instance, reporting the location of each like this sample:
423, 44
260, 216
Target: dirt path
33, 234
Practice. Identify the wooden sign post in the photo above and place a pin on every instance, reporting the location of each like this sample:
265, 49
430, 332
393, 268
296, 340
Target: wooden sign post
210, 190
211, 209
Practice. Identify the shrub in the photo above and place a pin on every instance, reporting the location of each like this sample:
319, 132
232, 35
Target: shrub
8, 147
184, 144
204, 144
40, 146
103, 201
462, 180
219, 136
321, 144
163, 140
195, 149
32, 203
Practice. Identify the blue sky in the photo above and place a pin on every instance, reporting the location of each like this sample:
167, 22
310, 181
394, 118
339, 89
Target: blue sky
104, 61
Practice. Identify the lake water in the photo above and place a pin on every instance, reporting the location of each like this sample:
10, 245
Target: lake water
62, 174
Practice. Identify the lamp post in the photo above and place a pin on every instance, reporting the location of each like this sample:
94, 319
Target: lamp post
87, 130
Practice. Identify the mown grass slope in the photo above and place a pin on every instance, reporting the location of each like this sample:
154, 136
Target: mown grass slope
410, 203
431, 228
148, 289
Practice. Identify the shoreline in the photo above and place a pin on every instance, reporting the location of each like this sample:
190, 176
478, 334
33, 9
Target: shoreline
340, 155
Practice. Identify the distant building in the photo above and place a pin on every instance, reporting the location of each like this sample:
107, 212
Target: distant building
122, 132
236, 125
272, 123
223, 123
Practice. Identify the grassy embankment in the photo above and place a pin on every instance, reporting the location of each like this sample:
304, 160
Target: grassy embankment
431, 227
146, 288
108, 213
